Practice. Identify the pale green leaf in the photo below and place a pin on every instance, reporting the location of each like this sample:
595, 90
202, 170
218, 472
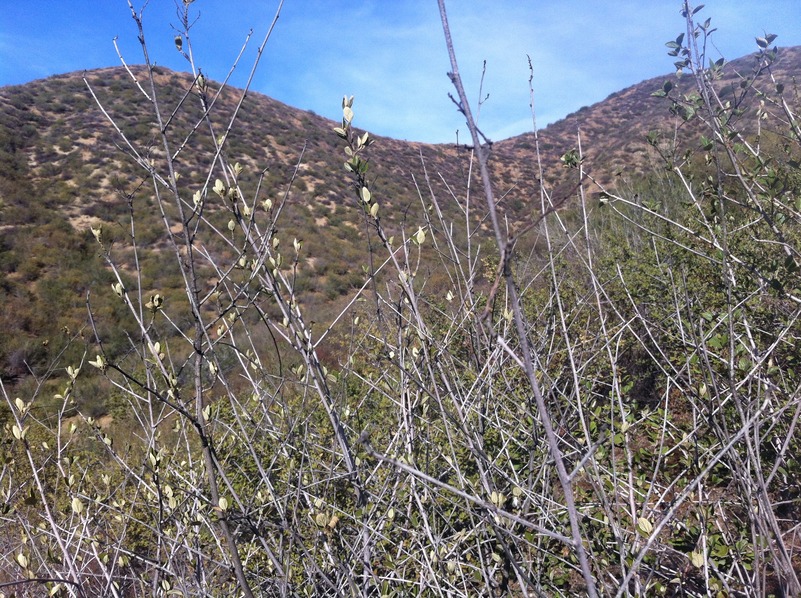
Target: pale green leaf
347, 114
644, 526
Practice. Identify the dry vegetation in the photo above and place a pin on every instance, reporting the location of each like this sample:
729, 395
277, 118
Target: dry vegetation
242, 369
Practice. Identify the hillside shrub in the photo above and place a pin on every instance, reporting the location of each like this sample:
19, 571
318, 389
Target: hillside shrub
614, 413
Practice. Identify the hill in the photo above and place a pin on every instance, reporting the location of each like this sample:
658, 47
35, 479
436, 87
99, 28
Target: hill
247, 351
63, 169
614, 132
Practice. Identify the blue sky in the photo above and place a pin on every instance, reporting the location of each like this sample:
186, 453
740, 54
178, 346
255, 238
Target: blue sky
391, 55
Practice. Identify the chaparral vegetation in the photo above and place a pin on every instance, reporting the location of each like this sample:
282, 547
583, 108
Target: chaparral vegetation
295, 359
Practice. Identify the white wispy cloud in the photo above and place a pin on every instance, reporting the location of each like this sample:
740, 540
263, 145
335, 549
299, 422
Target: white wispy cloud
391, 54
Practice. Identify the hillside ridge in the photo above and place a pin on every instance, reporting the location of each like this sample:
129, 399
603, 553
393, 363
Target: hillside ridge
64, 169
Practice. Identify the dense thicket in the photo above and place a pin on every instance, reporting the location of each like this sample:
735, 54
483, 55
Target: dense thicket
598, 396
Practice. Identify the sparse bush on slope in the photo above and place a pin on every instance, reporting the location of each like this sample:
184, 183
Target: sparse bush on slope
614, 416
